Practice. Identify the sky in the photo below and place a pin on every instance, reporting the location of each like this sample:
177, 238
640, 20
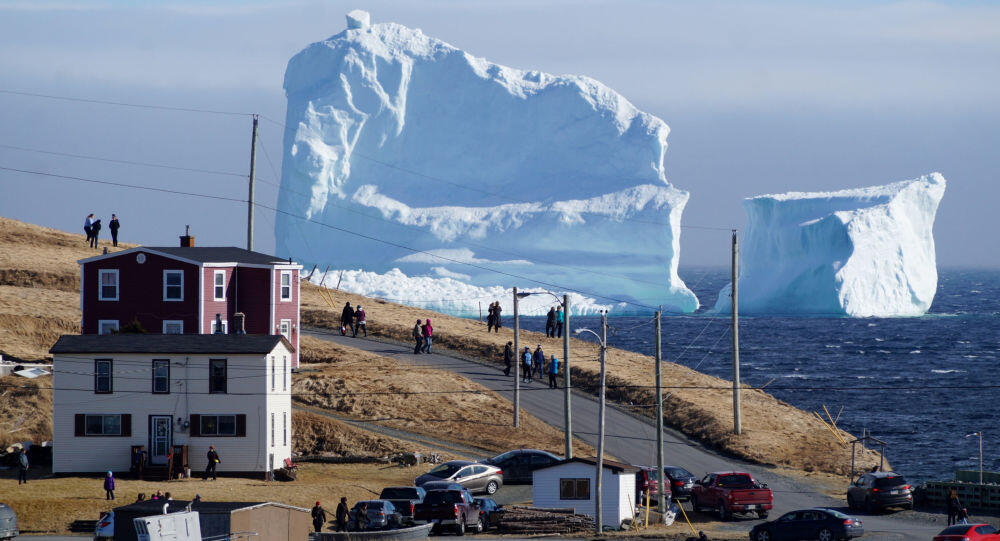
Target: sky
761, 97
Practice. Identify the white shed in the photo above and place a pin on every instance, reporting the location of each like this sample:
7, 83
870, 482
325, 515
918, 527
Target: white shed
568, 484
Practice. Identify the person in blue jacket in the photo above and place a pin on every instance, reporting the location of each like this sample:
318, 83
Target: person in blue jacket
526, 365
553, 372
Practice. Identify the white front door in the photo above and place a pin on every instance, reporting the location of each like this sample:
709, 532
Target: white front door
159, 438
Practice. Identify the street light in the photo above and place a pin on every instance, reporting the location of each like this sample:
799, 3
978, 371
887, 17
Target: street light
980, 434
603, 339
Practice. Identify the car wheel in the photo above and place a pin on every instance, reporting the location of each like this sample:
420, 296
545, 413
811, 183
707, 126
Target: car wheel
492, 487
460, 527
721, 511
762, 535
850, 503
762, 514
480, 527
825, 535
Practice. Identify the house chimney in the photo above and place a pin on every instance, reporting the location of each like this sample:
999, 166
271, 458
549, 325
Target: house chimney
218, 323
238, 323
187, 241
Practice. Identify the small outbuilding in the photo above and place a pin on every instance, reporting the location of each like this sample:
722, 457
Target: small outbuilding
268, 521
571, 484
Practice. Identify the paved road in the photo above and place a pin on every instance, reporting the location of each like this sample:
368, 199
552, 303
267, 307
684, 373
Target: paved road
634, 440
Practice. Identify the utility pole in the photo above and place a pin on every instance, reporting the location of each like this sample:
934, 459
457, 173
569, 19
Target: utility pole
598, 497
253, 165
517, 368
737, 421
566, 391
661, 505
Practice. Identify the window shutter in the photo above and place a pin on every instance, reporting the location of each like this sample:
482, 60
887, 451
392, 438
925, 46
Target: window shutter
126, 424
241, 425
195, 425
80, 422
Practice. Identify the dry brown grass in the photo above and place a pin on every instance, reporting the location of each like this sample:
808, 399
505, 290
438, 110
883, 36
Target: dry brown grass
318, 435
25, 410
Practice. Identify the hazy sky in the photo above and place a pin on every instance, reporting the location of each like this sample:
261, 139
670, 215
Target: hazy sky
760, 96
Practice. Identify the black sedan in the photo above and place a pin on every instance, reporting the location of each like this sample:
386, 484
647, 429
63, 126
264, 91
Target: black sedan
819, 523
518, 465
490, 511
680, 481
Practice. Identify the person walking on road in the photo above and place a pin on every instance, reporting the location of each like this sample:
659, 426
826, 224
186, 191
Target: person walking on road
109, 486
508, 358
360, 321
538, 361
95, 232
553, 372
526, 365
319, 517
559, 322
342, 514
213, 463
113, 225
88, 227
427, 331
550, 323
953, 507
347, 319
418, 337
22, 467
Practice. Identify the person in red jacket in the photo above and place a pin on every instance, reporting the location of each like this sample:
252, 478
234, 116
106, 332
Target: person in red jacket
427, 331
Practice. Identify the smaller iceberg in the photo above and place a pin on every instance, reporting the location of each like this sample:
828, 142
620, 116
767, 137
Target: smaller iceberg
866, 252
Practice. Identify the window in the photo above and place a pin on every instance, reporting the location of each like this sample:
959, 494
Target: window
272, 429
217, 376
107, 326
220, 285
103, 425
102, 376
284, 373
173, 326
285, 328
574, 489
108, 285
284, 428
218, 425
173, 285
225, 326
274, 380
286, 285
161, 376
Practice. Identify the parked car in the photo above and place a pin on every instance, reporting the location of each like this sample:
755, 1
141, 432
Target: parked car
8, 523
819, 523
968, 532
731, 492
681, 482
382, 515
517, 465
491, 512
450, 508
647, 480
441, 485
105, 529
879, 490
403, 499
474, 476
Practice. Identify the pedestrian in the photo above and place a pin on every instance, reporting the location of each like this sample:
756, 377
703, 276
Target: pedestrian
963, 516
88, 227
427, 331
22, 467
490, 317
213, 462
418, 337
95, 232
508, 358
109, 486
347, 319
141, 497
360, 319
168, 496
319, 517
197, 498
538, 361
550, 323
559, 322
553, 372
361, 517
342, 515
113, 225
497, 322
953, 507
526, 365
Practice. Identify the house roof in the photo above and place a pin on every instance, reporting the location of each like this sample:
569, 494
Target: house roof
169, 343
617, 467
201, 255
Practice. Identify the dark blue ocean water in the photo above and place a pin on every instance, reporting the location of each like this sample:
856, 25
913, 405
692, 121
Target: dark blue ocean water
839, 362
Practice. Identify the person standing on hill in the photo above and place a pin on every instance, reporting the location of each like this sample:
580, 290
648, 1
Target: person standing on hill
88, 227
318, 516
553, 372
538, 361
550, 323
489, 318
109, 486
113, 226
213, 462
95, 232
342, 515
508, 358
427, 331
360, 321
347, 319
559, 322
497, 322
418, 337
22, 467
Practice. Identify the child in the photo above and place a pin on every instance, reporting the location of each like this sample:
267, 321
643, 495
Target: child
109, 486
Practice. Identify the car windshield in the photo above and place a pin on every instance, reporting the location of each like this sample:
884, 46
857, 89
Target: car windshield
445, 471
502, 456
677, 473
736, 481
886, 482
399, 493
443, 496
959, 529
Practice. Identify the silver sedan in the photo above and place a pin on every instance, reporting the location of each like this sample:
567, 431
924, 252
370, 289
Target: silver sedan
476, 477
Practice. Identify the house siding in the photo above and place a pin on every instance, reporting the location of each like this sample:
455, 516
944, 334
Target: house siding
252, 299
212, 307
288, 309
248, 387
616, 491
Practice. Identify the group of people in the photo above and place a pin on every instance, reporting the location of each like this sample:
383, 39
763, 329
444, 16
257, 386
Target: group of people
160, 495
554, 323
493, 322
92, 227
319, 516
423, 334
532, 363
353, 319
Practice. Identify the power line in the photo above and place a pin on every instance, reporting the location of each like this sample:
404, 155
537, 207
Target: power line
123, 104
127, 162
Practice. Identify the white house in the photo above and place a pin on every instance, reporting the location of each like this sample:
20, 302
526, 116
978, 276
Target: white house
571, 484
115, 391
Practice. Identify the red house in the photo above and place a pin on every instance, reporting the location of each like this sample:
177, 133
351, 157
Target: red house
181, 290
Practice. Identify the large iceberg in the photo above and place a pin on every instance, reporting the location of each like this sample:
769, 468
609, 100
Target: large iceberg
475, 171
866, 252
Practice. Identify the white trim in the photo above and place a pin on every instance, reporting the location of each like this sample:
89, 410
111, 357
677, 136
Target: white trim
170, 322
101, 322
165, 273
100, 284
215, 279
279, 266
281, 286
281, 323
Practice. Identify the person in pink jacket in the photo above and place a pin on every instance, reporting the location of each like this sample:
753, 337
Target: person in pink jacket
427, 331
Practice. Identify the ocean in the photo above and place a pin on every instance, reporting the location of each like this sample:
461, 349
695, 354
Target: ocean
908, 381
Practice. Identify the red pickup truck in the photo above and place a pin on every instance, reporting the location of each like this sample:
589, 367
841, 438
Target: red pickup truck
449, 508
731, 492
